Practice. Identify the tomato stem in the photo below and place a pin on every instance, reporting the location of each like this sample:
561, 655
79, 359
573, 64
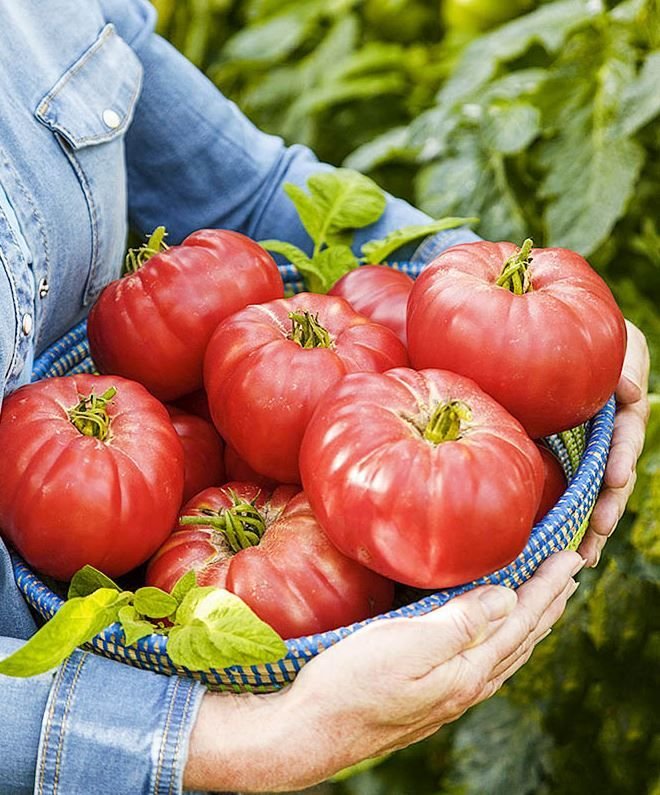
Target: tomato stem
90, 415
445, 422
136, 257
307, 331
242, 525
515, 272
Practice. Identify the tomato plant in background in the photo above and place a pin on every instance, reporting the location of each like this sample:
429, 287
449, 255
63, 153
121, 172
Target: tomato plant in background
91, 472
538, 329
268, 366
203, 452
421, 476
269, 549
153, 325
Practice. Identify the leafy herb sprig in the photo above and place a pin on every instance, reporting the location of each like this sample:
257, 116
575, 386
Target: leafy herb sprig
338, 203
207, 627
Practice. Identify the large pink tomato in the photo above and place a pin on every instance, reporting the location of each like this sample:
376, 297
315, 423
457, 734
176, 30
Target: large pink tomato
91, 471
268, 366
154, 324
269, 549
421, 476
537, 329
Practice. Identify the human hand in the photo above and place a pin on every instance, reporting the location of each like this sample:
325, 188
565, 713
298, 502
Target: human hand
627, 443
389, 685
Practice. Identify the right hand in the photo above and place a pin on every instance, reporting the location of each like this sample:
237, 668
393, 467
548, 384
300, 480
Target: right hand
389, 685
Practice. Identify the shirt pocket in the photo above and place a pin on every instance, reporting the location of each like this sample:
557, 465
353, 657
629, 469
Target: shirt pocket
89, 109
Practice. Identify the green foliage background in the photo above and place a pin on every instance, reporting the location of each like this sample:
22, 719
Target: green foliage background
541, 118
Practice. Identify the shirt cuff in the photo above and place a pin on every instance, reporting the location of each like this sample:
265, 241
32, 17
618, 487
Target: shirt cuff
434, 245
108, 727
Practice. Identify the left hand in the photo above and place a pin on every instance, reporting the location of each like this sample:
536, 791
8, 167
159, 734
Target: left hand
627, 443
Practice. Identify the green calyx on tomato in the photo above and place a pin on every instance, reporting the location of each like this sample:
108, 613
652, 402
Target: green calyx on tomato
242, 525
90, 415
515, 272
136, 257
445, 422
307, 331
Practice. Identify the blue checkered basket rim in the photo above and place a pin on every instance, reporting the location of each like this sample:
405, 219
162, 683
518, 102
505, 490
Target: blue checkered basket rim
582, 451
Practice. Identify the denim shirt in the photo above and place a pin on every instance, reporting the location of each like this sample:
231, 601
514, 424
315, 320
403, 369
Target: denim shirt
102, 124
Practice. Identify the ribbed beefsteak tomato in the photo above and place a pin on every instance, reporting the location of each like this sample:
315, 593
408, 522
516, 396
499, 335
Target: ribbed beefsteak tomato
421, 476
537, 329
379, 293
203, 452
153, 325
554, 482
267, 367
268, 549
91, 472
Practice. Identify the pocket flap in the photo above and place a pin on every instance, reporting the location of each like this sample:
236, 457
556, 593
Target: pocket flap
93, 101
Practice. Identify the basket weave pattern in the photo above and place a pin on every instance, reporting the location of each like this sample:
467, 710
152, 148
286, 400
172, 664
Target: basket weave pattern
582, 452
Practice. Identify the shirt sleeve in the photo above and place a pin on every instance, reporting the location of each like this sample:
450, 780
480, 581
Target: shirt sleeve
194, 160
94, 726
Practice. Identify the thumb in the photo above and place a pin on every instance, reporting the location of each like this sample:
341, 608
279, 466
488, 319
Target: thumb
466, 621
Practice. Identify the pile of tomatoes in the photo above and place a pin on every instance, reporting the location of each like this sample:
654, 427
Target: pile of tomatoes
308, 453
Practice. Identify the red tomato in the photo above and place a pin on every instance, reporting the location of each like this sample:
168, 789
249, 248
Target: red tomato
203, 452
554, 482
87, 476
267, 367
379, 293
421, 476
551, 356
153, 325
237, 469
269, 550
195, 403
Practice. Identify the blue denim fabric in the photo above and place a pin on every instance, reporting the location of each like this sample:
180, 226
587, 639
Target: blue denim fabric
102, 123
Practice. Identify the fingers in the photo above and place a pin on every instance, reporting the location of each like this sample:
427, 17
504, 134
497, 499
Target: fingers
465, 621
634, 376
627, 442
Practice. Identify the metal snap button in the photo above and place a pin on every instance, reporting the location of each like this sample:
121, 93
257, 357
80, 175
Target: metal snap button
44, 287
111, 118
26, 325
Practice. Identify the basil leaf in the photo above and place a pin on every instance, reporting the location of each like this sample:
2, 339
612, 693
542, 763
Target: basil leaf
331, 264
154, 603
309, 212
347, 199
87, 580
375, 251
133, 626
183, 585
216, 629
311, 273
75, 623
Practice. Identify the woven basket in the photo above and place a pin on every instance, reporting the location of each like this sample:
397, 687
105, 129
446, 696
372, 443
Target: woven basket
582, 452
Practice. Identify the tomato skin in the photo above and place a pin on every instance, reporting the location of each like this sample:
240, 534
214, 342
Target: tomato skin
238, 469
554, 482
203, 452
153, 325
295, 579
195, 403
69, 499
379, 293
552, 357
263, 387
422, 514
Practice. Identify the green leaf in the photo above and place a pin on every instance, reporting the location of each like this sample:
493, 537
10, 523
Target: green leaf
307, 268
331, 264
75, 623
274, 38
309, 212
347, 199
87, 580
133, 626
640, 102
511, 127
376, 251
392, 145
183, 585
154, 603
216, 629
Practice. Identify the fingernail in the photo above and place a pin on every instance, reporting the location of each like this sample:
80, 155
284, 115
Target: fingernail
573, 589
597, 559
498, 602
578, 566
544, 635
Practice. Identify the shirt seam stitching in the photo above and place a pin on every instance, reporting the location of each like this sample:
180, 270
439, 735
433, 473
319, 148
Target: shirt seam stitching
161, 753
65, 714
